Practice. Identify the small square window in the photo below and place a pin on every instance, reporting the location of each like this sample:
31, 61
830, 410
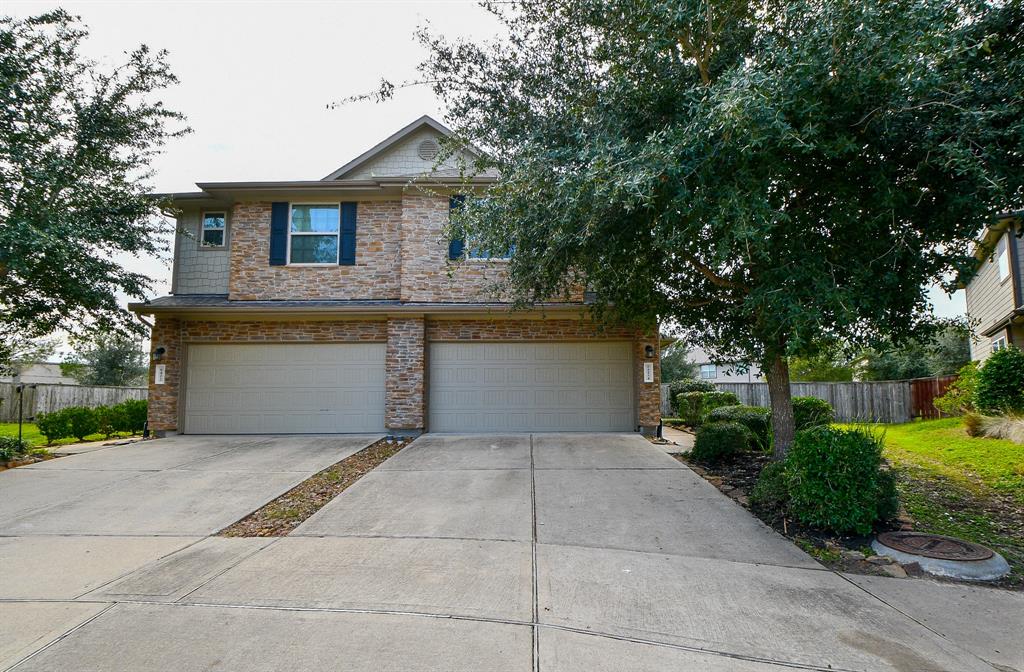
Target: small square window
999, 344
214, 229
708, 371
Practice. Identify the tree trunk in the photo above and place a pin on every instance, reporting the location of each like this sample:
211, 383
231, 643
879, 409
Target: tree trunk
783, 427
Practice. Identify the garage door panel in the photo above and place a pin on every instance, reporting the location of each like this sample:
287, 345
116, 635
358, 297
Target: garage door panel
531, 387
285, 388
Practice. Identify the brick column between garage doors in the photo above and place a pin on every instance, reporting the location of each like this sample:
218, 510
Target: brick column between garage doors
405, 375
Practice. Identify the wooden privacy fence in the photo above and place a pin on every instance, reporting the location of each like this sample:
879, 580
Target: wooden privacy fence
924, 391
882, 401
45, 398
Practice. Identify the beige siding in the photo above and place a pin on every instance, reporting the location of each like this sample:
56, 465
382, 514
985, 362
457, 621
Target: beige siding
404, 159
988, 301
196, 270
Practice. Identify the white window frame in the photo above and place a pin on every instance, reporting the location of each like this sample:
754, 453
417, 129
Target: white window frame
708, 368
203, 245
1003, 257
999, 344
323, 264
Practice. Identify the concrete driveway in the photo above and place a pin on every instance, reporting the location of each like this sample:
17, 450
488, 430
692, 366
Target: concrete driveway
543, 552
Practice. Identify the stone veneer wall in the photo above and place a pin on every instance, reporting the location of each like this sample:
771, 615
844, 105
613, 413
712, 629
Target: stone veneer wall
163, 399
286, 332
375, 275
405, 375
405, 361
427, 275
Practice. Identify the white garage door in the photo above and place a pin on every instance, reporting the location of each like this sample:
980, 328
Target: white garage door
285, 388
518, 387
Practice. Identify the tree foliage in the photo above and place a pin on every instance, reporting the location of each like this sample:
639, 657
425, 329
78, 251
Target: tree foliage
108, 359
675, 363
770, 175
76, 141
17, 352
941, 354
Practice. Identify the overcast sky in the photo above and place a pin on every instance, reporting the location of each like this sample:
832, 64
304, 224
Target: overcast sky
256, 78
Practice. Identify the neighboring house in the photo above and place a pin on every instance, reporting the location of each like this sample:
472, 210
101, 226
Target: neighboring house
723, 372
42, 373
995, 298
338, 305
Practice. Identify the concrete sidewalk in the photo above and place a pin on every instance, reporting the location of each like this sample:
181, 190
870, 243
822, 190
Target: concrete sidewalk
581, 553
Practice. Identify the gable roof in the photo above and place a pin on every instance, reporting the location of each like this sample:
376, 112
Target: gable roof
378, 149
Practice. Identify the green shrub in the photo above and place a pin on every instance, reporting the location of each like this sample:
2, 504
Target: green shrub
677, 387
695, 406
959, 396
1001, 383
835, 482
53, 426
757, 420
132, 415
888, 496
11, 447
717, 441
771, 493
811, 412
82, 421
105, 420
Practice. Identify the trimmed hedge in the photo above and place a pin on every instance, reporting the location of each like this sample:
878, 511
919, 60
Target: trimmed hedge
758, 420
81, 421
695, 406
835, 480
812, 412
1000, 386
717, 441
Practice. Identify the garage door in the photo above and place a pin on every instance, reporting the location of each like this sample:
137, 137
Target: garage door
517, 387
285, 388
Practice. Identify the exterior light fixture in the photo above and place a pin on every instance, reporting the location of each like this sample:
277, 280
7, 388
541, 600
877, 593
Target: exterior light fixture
158, 354
649, 351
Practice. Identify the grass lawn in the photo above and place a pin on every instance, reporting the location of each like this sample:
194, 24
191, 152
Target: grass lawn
955, 484
30, 433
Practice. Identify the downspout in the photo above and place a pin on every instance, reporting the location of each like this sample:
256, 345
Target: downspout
1013, 248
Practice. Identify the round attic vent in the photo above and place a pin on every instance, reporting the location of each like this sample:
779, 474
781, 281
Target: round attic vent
428, 150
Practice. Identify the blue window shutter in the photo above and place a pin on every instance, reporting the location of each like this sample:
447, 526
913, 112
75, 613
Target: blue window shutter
348, 234
455, 245
278, 234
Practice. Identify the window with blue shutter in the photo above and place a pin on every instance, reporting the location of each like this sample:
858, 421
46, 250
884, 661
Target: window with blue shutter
278, 234
457, 244
347, 257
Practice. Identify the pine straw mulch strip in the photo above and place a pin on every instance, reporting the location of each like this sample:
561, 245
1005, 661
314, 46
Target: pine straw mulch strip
279, 517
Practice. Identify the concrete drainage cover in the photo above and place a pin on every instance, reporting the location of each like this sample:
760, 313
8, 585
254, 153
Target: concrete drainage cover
934, 546
942, 556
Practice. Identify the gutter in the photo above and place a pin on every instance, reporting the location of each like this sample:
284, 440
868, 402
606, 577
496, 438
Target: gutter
353, 311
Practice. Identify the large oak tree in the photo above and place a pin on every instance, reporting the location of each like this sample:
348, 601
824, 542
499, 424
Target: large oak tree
775, 177
76, 142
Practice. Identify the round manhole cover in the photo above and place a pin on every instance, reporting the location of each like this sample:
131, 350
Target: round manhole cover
934, 546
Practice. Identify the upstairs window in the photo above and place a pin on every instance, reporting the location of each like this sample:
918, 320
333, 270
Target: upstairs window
999, 344
477, 252
708, 371
214, 229
1003, 258
313, 234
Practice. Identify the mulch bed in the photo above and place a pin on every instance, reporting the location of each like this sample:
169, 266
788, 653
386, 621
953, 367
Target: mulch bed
737, 477
284, 514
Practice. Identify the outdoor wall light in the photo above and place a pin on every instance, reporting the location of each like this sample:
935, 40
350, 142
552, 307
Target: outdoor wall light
158, 354
649, 351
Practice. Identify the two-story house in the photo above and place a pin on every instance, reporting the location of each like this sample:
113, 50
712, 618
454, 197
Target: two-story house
995, 295
339, 305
